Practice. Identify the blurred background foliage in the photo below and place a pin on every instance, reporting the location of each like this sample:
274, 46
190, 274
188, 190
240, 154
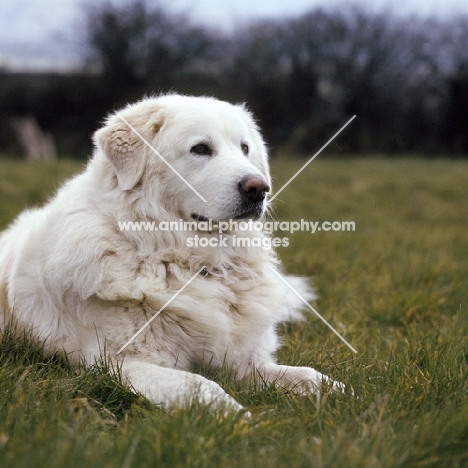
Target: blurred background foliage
406, 78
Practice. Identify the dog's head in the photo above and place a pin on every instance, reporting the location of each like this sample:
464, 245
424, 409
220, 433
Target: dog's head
179, 150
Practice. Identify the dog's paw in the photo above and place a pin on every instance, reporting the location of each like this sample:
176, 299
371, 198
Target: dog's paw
302, 380
210, 393
307, 380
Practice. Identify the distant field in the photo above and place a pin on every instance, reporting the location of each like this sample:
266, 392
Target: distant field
23, 185
396, 288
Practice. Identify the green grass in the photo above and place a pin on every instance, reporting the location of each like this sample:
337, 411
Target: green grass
396, 288
24, 185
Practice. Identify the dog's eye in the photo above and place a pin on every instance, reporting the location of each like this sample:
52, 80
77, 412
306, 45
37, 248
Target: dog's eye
245, 148
202, 150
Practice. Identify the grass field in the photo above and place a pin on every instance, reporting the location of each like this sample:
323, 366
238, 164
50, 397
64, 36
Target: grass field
396, 288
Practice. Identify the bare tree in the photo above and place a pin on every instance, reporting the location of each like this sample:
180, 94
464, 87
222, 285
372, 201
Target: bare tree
140, 45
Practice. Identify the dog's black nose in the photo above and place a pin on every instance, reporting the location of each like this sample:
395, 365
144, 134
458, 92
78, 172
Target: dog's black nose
254, 188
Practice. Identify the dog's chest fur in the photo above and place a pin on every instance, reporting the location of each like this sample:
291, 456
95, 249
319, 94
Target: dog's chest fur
215, 319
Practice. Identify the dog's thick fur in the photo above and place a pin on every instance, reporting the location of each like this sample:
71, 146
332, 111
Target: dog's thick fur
84, 287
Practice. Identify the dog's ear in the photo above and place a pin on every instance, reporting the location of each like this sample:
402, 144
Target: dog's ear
125, 150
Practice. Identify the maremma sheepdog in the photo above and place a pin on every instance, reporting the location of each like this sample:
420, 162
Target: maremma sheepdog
155, 302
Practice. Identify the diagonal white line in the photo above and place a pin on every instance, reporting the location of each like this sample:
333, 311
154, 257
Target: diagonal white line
160, 310
312, 309
312, 158
156, 152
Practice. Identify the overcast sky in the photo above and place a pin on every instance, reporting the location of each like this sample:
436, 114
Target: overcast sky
44, 34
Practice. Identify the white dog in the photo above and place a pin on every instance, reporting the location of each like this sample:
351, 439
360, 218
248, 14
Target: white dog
85, 287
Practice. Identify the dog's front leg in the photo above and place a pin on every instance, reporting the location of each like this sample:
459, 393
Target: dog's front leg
172, 387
